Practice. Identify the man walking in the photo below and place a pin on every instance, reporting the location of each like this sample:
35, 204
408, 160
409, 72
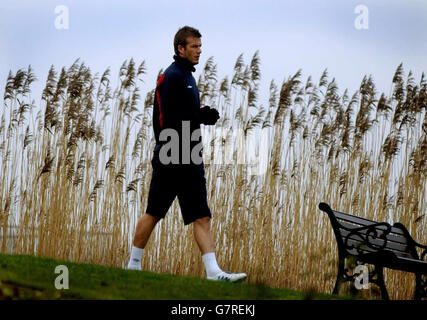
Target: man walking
177, 110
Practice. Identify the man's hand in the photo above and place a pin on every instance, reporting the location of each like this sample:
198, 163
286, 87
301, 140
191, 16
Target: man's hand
208, 115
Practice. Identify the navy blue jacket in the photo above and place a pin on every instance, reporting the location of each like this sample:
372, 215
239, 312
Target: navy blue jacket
176, 99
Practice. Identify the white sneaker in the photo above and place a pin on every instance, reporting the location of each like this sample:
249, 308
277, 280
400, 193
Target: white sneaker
133, 267
228, 276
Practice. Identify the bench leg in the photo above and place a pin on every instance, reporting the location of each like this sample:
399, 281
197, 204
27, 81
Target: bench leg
340, 276
380, 282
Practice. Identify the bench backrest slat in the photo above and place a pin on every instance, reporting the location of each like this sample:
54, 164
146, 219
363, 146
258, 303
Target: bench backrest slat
398, 249
363, 222
362, 248
393, 237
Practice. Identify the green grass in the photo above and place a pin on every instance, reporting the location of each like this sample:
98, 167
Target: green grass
30, 277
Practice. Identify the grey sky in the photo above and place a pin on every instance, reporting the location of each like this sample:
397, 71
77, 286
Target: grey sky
290, 35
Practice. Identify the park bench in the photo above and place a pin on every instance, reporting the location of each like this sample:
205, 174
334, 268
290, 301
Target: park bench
380, 245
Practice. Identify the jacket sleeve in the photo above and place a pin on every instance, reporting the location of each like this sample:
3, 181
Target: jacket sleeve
169, 102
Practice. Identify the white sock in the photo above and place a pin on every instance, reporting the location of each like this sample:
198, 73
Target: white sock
135, 256
211, 265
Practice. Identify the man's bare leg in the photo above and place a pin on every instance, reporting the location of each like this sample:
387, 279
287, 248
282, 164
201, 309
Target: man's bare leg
203, 237
143, 231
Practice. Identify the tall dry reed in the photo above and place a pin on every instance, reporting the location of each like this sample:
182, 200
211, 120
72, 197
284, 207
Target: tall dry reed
75, 179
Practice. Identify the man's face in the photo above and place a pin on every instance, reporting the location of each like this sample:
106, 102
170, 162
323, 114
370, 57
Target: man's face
192, 50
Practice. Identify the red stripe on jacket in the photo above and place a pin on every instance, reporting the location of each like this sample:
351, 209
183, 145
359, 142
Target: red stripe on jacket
158, 100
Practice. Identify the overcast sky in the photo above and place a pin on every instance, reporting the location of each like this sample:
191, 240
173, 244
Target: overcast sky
290, 35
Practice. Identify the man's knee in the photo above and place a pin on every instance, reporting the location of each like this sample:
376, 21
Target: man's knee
205, 221
152, 219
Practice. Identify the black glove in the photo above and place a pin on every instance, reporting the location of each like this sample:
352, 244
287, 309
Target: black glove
208, 115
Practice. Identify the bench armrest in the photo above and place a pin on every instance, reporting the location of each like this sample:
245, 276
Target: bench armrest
411, 240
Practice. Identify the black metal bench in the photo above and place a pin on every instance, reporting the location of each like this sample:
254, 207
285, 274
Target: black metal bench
378, 244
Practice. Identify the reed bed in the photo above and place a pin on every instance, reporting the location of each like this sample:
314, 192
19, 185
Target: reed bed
74, 179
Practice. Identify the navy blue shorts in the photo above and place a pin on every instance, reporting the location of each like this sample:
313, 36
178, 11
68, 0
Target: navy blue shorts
188, 182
